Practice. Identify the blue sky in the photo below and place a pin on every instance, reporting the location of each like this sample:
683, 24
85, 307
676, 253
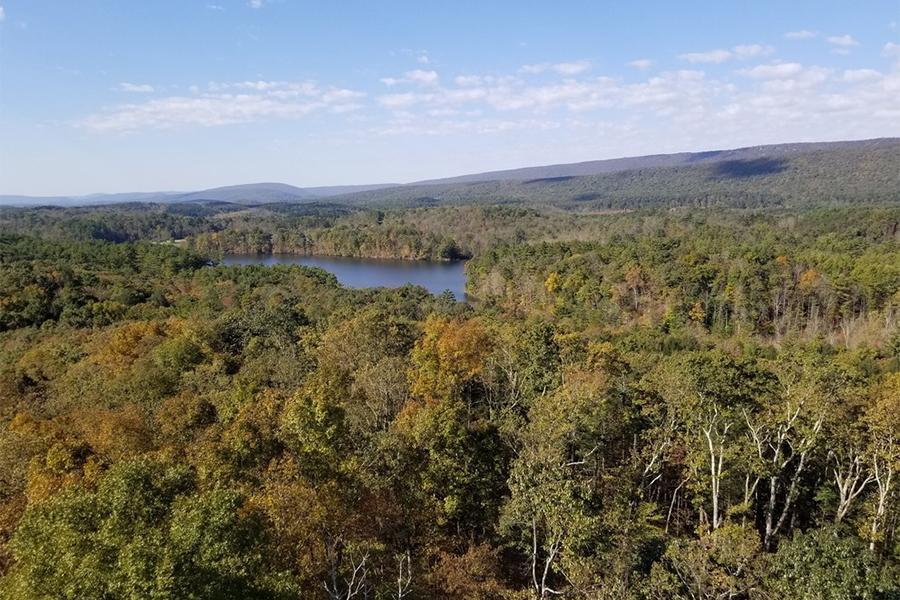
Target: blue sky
128, 95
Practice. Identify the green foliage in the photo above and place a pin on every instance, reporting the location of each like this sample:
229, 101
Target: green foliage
145, 532
639, 405
463, 465
824, 565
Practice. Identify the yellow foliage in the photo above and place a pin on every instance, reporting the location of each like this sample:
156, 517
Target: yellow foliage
697, 314
552, 283
115, 434
450, 353
128, 343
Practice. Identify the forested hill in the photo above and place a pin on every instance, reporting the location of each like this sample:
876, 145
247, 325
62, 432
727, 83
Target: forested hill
652, 161
789, 175
776, 175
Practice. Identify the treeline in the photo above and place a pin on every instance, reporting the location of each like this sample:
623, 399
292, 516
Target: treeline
370, 240
82, 284
824, 272
260, 432
218, 228
119, 223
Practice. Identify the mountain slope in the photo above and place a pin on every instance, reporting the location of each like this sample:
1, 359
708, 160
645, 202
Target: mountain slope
842, 173
256, 193
851, 171
681, 159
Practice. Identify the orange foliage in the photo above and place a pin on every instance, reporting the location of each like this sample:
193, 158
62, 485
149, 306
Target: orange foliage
474, 575
128, 343
809, 279
115, 434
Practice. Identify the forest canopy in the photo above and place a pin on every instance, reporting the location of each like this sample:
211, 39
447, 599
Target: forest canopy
640, 404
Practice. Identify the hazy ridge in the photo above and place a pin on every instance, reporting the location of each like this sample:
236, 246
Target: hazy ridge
865, 170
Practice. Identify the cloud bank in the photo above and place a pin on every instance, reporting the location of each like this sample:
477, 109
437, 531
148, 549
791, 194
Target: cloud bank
753, 96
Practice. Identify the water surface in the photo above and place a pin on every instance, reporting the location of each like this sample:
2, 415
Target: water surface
434, 276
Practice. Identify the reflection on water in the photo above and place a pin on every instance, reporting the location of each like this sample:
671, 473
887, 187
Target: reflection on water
434, 276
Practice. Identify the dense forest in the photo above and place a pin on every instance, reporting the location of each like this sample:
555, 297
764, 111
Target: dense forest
637, 404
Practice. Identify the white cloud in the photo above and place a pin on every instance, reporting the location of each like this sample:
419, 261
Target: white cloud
256, 3
215, 7
786, 96
770, 102
641, 64
712, 56
740, 52
399, 100
572, 68
2, 14
422, 77
777, 71
262, 86
774, 103
803, 34
855, 75
844, 41
534, 69
565, 68
467, 80
142, 88
225, 104
417, 76
505, 94
891, 49
752, 50
423, 59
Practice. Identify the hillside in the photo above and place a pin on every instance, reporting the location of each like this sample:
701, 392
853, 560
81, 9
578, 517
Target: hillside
265, 193
653, 161
781, 174
247, 194
788, 175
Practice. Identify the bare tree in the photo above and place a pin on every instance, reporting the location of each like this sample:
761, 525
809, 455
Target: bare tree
404, 576
715, 431
883, 421
354, 582
882, 473
850, 477
783, 437
540, 566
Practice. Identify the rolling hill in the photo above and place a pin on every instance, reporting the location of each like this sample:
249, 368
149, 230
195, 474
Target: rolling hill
246, 194
780, 174
681, 159
783, 175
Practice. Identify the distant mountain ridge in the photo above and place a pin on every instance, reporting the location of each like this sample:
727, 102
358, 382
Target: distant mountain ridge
249, 193
761, 177
652, 161
589, 179
265, 193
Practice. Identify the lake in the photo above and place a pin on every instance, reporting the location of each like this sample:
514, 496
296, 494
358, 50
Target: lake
434, 276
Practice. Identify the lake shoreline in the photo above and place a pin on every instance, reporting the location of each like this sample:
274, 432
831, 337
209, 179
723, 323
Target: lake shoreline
436, 276
221, 257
